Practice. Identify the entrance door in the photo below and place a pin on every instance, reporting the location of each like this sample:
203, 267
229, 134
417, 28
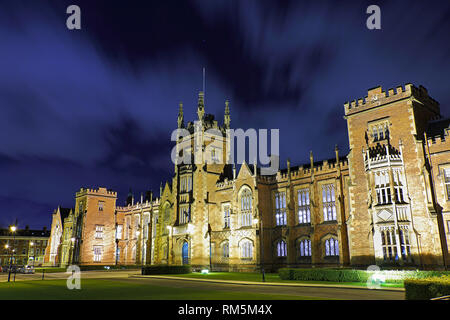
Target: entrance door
185, 253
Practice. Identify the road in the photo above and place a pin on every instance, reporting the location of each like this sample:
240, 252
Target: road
315, 292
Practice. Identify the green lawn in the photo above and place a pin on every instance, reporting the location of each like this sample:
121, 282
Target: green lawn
269, 277
93, 289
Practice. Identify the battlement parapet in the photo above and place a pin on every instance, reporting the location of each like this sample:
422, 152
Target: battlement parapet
326, 166
377, 97
439, 143
101, 191
139, 206
225, 184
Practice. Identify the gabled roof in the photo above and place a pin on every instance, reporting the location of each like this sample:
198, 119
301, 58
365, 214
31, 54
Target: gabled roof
64, 213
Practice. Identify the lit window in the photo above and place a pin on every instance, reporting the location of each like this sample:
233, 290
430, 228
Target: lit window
119, 231
98, 232
246, 250
145, 228
398, 185
331, 247
405, 247
280, 208
447, 182
136, 226
101, 205
128, 227
389, 245
305, 248
246, 208
329, 202
226, 216
304, 212
97, 253
281, 249
118, 254
226, 250
184, 214
383, 189
185, 183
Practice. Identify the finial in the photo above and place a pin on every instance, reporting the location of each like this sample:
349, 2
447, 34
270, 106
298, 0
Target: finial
180, 116
227, 117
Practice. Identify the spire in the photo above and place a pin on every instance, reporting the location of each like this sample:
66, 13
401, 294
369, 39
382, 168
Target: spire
311, 159
227, 118
130, 198
201, 105
180, 116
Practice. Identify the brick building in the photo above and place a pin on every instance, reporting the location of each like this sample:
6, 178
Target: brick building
28, 245
387, 202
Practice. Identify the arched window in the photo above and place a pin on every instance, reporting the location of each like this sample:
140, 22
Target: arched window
329, 202
226, 250
280, 208
185, 252
331, 247
305, 248
389, 245
133, 253
246, 249
246, 208
281, 249
304, 212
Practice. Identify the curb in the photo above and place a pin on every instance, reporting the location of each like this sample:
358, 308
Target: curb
267, 283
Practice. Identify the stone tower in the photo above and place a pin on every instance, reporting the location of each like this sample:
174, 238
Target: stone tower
391, 219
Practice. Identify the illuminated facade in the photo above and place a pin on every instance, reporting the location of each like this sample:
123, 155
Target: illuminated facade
386, 202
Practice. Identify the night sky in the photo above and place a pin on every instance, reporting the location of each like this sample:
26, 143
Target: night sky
96, 107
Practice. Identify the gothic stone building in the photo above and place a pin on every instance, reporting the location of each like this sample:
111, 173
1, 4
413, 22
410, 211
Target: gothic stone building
386, 202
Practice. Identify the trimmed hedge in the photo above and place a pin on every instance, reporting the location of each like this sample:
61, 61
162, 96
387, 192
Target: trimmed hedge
425, 289
113, 267
351, 275
165, 269
334, 275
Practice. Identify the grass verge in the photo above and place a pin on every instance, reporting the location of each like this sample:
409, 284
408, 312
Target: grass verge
94, 289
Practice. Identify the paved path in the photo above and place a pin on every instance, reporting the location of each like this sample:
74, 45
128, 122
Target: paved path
341, 292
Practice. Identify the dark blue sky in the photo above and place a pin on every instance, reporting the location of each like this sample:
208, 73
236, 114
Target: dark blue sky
96, 107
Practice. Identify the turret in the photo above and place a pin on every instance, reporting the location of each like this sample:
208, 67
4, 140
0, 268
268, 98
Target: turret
201, 106
130, 198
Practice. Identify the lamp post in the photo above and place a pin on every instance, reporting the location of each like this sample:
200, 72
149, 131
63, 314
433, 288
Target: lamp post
262, 247
34, 255
170, 244
13, 230
137, 241
72, 250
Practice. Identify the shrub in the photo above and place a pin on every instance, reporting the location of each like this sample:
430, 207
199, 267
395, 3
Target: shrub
334, 275
425, 289
113, 267
165, 269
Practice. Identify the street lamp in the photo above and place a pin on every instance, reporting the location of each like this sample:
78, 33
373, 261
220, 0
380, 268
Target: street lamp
13, 230
72, 250
170, 228
34, 255
256, 220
